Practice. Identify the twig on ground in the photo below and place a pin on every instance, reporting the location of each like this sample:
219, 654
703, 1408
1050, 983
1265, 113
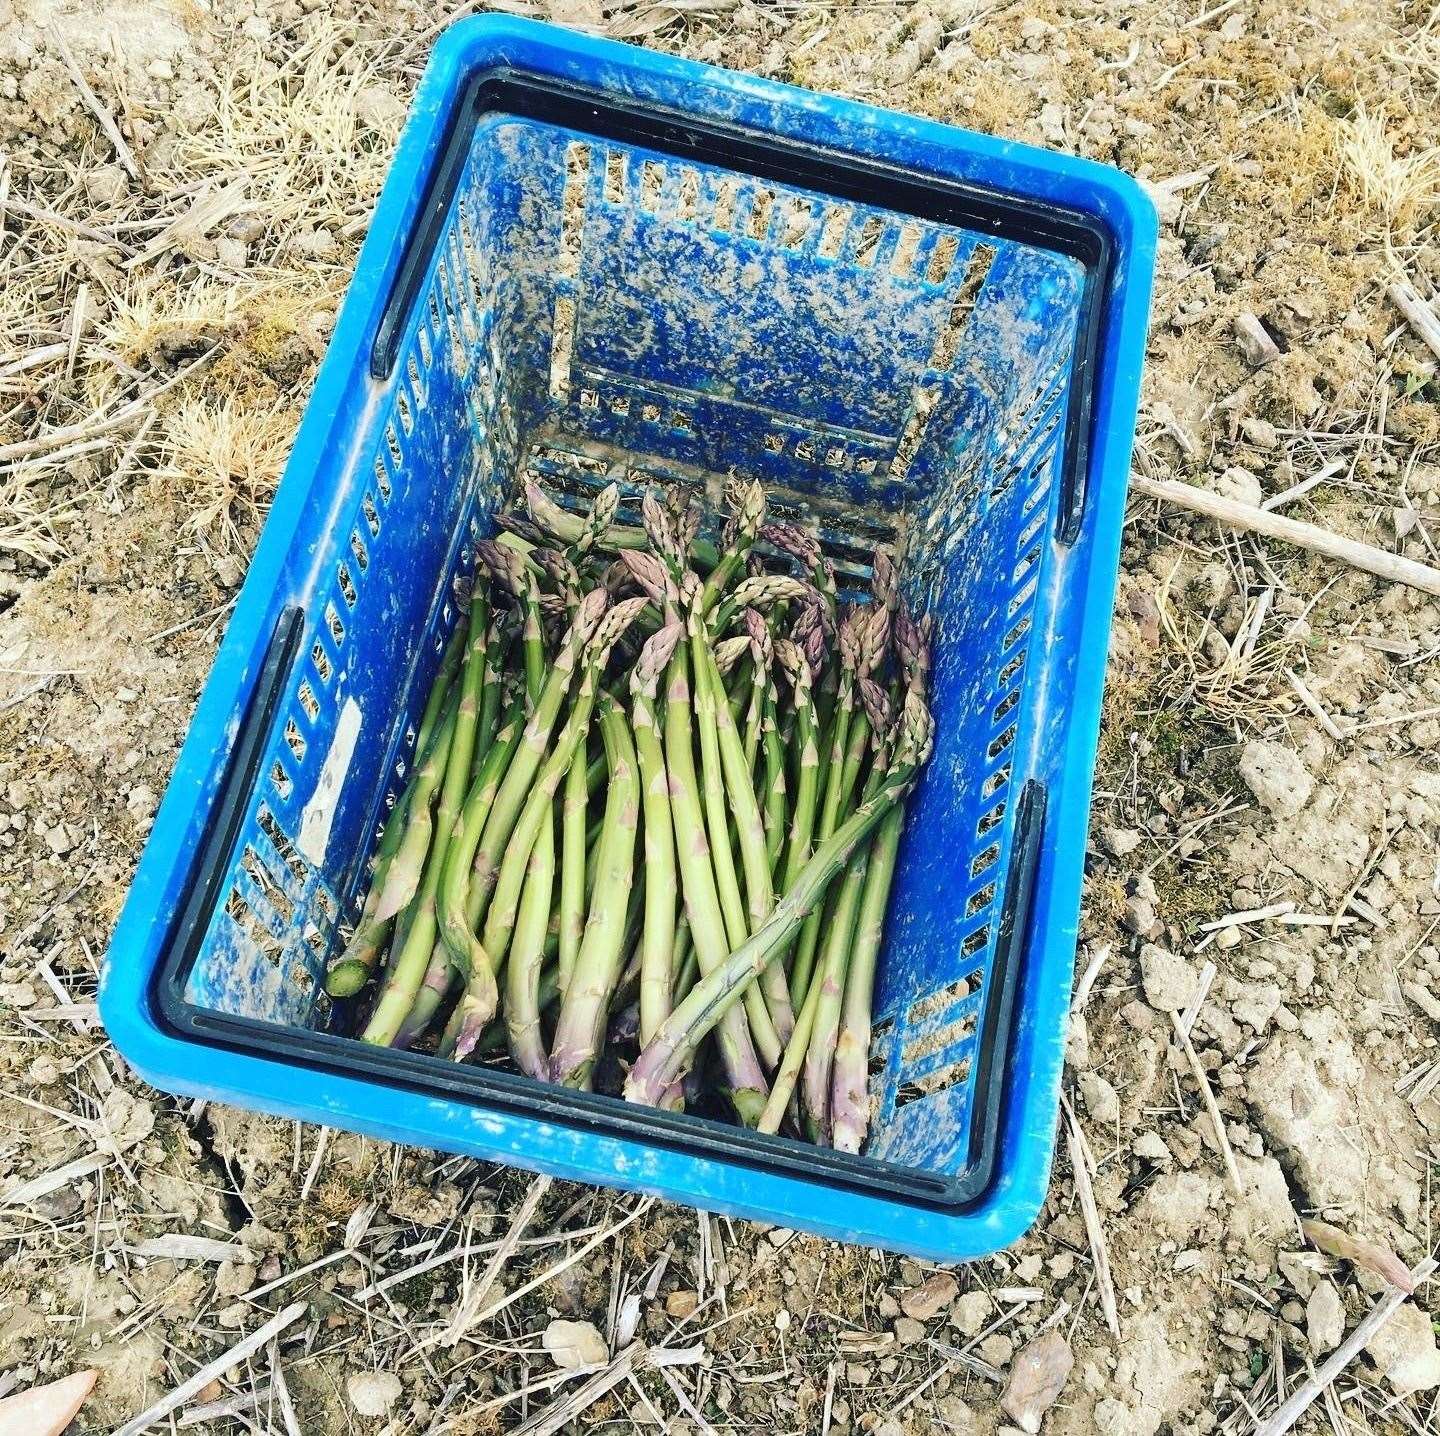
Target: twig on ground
1099, 1252
1420, 316
1291, 1411
1377, 561
1208, 1097
467, 1310
103, 117
207, 1373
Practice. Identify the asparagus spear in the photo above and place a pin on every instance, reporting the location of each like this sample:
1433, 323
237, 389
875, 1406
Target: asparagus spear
350, 971
849, 1101
582, 1012
664, 1056
702, 902
522, 974
658, 944
573, 851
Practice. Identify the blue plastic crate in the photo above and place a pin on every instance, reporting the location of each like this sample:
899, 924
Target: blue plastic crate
593, 263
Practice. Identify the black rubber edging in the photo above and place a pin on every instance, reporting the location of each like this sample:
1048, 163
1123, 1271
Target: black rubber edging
843, 176
696, 1137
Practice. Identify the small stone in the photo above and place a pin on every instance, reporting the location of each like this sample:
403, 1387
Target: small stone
1102, 1101
234, 1278
106, 184
1227, 938
681, 1304
1151, 1146
908, 1331
59, 840
933, 1294
575, 1343
1119, 842
236, 1315
1404, 1351
231, 252
1140, 917
1324, 1319
1256, 344
1276, 776
1261, 432
44, 1071
1240, 485
971, 1311
373, 1393
887, 1306
1168, 979
997, 1350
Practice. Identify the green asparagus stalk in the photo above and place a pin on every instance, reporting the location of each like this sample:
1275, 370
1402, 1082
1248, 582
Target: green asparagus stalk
830, 978
573, 853
663, 1058
402, 877
658, 943
849, 1100
833, 767
782, 1086
581, 1025
755, 860
522, 973
350, 971
506, 898
717, 821
702, 903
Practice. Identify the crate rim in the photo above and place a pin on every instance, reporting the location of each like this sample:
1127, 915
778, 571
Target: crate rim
344, 393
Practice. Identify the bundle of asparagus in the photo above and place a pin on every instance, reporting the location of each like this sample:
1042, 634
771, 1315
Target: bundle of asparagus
649, 838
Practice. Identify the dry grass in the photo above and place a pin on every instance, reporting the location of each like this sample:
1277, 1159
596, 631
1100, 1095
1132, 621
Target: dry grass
225, 459
1402, 187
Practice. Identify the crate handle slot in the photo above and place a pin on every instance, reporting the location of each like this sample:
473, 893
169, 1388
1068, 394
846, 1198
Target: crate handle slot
997, 1022
207, 881
430, 222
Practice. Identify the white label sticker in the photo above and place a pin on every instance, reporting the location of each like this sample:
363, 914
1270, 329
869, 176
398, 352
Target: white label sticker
319, 814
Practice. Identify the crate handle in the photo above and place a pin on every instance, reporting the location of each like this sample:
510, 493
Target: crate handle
228, 812
997, 1027
431, 217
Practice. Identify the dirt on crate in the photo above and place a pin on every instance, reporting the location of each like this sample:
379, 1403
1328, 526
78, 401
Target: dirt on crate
1270, 746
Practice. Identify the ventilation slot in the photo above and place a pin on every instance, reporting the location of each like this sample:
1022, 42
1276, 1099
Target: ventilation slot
938, 1039
951, 1075
321, 660
357, 547
687, 199
947, 342
572, 210
761, 206
615, 177
281, 782
985, 860
868, 242
980, 900
561, 344
942, 256
727, 201
295, 740
832, 231
796, 228
652, 186
995, 782
976, 941
990, 821
333, 623
903, 260
347, 585
305, 695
